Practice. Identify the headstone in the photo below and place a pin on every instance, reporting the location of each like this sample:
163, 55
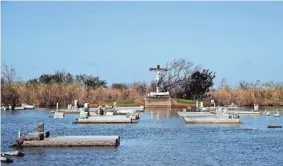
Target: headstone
224, 111
201, 105
40, 127
255, 107
86, 105
83, 114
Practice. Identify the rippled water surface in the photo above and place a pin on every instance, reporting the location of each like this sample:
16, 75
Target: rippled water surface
159, 138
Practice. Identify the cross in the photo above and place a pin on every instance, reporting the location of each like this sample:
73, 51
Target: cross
157, 70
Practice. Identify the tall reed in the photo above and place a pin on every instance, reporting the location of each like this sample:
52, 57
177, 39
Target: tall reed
49, 94
265, 97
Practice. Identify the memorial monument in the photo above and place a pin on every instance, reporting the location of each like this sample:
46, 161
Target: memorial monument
157, 98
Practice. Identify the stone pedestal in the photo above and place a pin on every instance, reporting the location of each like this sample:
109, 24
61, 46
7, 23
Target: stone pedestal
157, 101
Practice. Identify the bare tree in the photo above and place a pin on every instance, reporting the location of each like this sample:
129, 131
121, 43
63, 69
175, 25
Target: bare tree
224, 84
9, 95
178, 70
140, 87
8, 75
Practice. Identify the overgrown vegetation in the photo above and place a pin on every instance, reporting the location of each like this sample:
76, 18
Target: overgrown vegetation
9, 93
266, 93
184, 80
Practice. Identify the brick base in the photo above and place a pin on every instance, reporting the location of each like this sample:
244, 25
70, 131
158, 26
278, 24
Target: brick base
155, 102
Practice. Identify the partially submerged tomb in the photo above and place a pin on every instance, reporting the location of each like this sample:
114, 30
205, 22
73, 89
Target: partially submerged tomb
40, 138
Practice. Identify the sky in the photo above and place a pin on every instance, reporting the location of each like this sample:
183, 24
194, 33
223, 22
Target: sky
119, 41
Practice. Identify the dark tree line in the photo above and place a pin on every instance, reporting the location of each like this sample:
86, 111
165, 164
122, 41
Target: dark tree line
87, 81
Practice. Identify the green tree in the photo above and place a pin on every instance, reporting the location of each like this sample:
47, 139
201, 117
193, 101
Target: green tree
89, 81
198, 84
119, 86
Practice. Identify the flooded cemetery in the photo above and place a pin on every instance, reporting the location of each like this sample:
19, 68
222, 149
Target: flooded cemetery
159, 137
155, 133
141, 83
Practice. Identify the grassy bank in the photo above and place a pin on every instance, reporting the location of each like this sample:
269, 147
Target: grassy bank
183, 103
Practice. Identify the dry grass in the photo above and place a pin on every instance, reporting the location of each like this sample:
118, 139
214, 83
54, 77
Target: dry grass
248, 97
49, 94
46, 95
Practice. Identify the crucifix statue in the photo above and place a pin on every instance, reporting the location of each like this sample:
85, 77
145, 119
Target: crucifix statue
157, 70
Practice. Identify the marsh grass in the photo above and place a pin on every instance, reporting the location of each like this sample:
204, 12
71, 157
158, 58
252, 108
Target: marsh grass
263, 97
47, 95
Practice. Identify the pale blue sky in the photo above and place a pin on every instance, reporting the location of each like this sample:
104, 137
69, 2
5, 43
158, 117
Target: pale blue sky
119, 41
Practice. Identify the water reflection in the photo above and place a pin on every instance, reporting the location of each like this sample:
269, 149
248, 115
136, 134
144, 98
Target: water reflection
159, 113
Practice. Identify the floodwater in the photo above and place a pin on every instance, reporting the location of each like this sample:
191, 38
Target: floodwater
159, 138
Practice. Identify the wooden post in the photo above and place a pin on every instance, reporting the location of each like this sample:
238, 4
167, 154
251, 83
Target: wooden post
19, 133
